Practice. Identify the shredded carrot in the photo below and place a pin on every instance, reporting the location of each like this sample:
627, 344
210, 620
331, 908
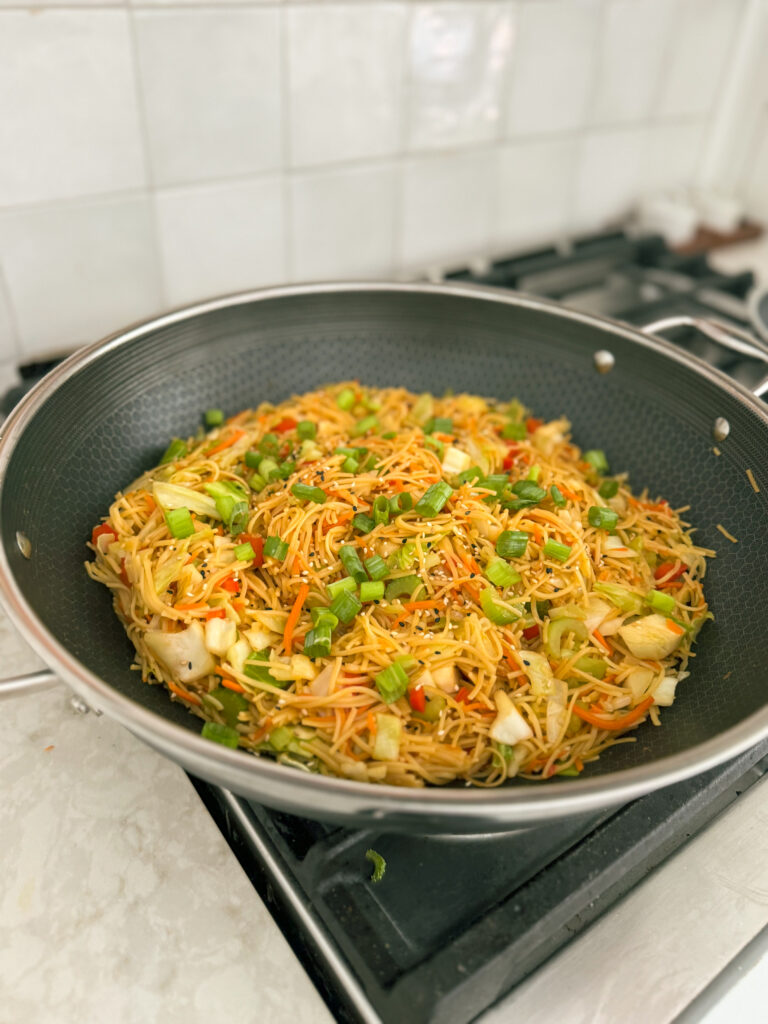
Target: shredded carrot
196, 607
601, 640
293, 617
228, 441
673, 627
341, 492
238, 604
232, 685
614, 723
49, 747
214, 613
578, 764
264, 731
299, 565
567, 493
191, 697
149, 501
412, 606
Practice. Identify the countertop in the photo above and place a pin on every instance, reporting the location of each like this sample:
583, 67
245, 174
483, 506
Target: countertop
122, 902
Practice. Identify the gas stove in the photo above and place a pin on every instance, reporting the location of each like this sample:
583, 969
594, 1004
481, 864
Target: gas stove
458, 921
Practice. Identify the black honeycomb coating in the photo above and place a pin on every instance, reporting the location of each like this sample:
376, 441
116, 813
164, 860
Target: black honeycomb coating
652, 414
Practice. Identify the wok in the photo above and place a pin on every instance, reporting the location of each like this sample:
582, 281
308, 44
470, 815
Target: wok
106, 414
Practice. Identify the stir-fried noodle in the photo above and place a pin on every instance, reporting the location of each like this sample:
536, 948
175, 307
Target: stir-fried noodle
403, 589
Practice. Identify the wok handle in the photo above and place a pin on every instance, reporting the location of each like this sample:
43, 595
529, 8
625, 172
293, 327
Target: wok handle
728, 335
17, 686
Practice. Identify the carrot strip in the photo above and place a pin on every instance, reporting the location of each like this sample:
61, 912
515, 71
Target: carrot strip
673, 627
602, 641
370, 722
191, 697
232, 685
236, 435
614, 723
412, 606
196, 607
293, 618
566, 493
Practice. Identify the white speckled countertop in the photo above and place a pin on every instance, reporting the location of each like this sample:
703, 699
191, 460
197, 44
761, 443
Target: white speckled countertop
121, 902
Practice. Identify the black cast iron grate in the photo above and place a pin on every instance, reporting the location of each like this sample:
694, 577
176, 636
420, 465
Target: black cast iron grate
457, 921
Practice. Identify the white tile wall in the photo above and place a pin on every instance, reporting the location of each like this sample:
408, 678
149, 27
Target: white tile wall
609, 171
79, 270
447, 208
636, 43
345, 72
535, 181
344, 223
220, 238
553, 67
701, 50
69, 122
153, 152
210, 85
457, 56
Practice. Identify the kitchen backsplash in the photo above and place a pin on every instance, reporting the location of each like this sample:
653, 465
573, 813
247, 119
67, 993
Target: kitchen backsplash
156, 153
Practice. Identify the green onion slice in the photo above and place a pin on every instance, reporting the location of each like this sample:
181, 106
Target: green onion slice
346, 605
380, 510
596, 459
364, 426
434, 498
213, 417
528, 490
402, 502
376, 567
392, 682
379, 865
323, 617
306, 429
177, 449
511, 543
317, 642
499, 614
346, 585
501, 573
402, 586
180, 523
660, 602
554, 549
557, 496
304, 492
245, 552
371, 590
602, 518
362, 522
608, 489
351, 562
514, 431
275, 548
345, 399
222, 734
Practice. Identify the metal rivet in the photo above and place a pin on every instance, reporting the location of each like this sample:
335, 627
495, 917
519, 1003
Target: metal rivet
721, 429
79, 706
604, 361
24, 544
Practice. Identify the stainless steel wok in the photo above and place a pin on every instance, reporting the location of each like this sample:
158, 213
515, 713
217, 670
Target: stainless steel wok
107, 413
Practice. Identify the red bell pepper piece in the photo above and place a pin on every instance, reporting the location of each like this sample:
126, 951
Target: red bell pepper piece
417, 699
532, 424
669, 567
257, 543
532, 632
101, 531
231, 585
463, 695
286, 424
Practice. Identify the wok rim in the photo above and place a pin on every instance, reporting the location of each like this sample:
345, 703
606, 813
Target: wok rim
335, 796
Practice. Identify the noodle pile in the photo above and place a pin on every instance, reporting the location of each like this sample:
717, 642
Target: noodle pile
533, 669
